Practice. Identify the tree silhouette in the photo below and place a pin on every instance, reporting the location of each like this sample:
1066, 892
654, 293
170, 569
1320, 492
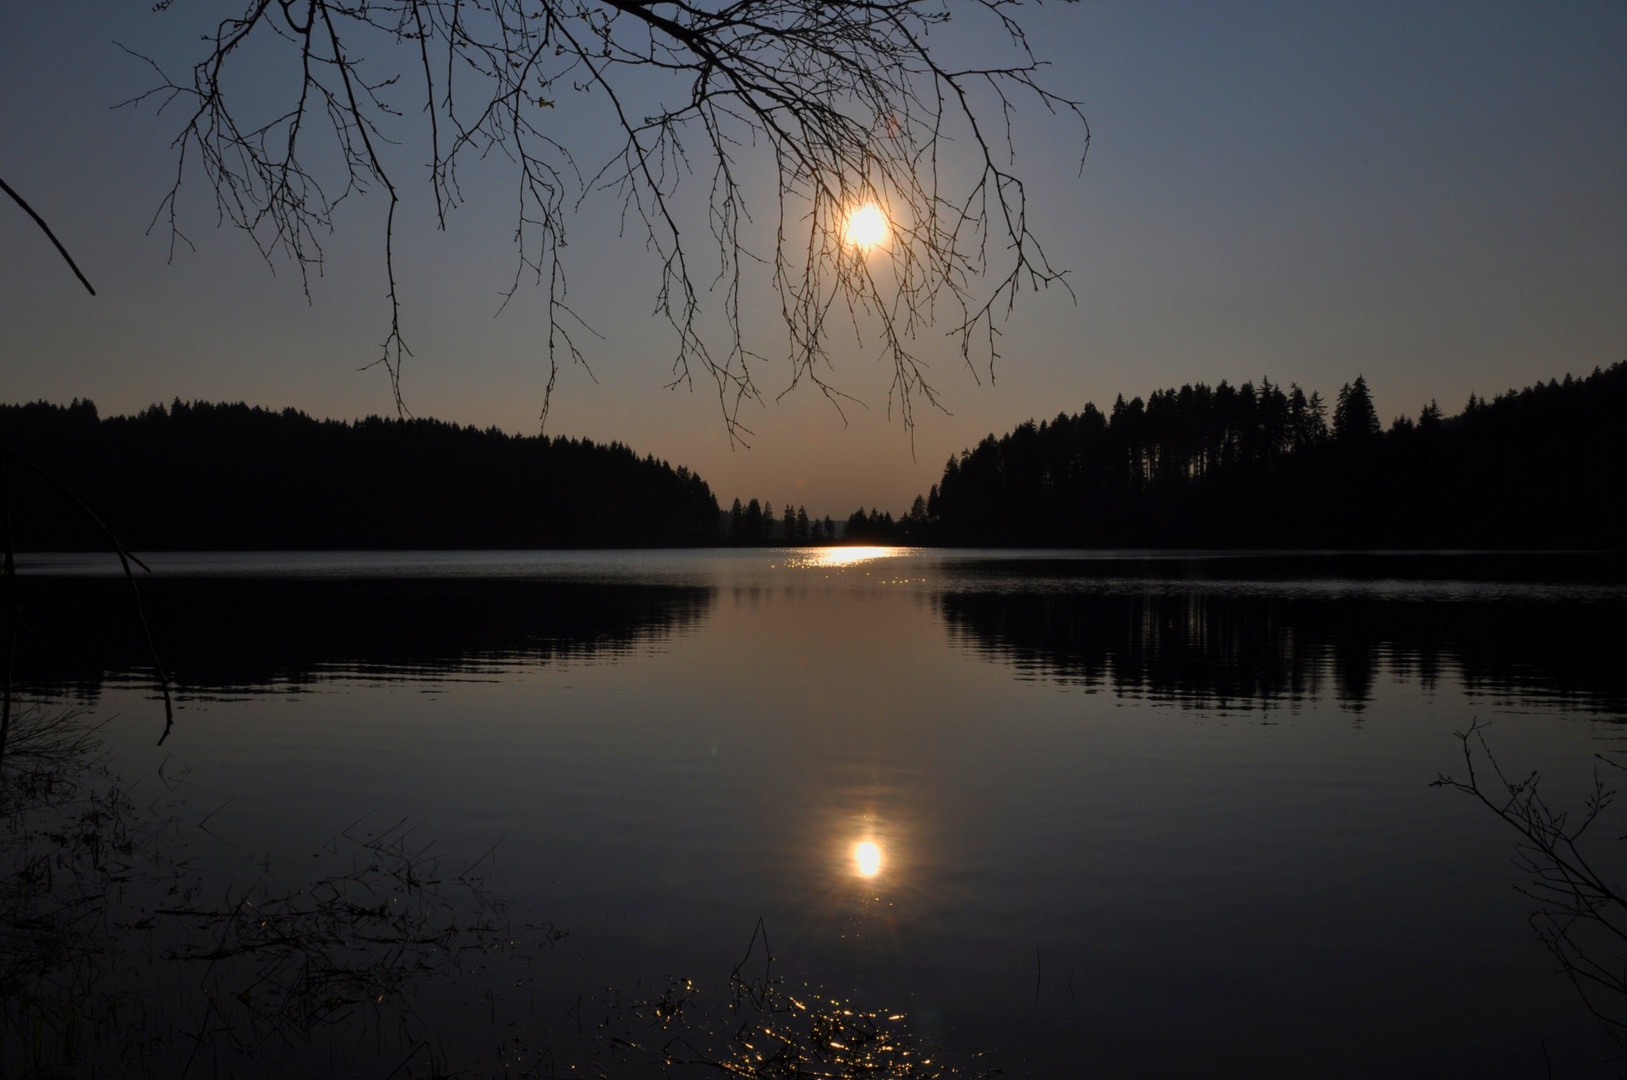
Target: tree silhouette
1354, 417
1429, 418
205, 476
1244, 466
849, 103
1307, 418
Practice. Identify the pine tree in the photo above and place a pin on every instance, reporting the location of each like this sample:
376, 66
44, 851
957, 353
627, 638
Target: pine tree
1354, 418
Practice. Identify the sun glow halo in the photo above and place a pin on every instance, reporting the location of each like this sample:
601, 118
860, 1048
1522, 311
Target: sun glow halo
867, 858
866, 227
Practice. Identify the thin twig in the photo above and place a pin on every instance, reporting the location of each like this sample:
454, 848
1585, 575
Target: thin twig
125, 559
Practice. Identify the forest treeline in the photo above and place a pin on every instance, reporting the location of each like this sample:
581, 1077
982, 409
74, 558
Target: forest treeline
217, 477
754, 523
1264, 466
1199, 466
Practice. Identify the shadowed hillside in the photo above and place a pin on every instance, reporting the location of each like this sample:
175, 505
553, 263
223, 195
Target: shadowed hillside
207, 477
1261, 466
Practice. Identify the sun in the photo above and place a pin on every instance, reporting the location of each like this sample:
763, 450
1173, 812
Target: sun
866, 227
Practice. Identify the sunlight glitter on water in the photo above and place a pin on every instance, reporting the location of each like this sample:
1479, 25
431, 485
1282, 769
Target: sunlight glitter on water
826, 558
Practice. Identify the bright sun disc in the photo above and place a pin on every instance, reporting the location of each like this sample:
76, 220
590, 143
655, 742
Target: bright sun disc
867, 858
867, 227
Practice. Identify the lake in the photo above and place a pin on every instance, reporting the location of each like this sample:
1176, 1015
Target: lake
1046, 813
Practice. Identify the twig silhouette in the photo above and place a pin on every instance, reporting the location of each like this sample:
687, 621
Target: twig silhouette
1583, 914
125, 559
29, 210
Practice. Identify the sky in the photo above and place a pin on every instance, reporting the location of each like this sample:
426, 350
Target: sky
1431, 195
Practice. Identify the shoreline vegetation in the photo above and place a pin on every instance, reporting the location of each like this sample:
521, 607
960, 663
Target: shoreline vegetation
128, 948
1224, 467
1262, 467
206, 477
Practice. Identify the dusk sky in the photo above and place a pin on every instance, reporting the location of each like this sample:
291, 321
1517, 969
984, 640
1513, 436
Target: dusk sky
1432, 195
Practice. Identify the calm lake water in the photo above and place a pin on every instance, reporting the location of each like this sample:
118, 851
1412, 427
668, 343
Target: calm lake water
1124, 815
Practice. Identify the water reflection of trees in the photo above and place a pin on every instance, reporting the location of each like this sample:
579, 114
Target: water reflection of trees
1224, 647
239, 632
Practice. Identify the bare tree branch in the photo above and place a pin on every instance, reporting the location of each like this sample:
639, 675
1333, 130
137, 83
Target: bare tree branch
46, 229
849, 102
1582, 917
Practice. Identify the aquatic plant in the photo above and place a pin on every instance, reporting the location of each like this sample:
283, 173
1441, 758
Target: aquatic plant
121, 954
759, 1028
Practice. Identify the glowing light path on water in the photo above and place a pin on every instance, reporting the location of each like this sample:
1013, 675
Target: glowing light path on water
845, 556
867, 858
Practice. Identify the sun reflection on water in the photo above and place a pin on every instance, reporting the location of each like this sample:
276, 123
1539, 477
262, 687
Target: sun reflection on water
867, 858
840, 556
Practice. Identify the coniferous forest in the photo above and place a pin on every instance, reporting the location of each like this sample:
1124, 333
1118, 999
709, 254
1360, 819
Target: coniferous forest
1202, 467
1261, 466
218, 477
